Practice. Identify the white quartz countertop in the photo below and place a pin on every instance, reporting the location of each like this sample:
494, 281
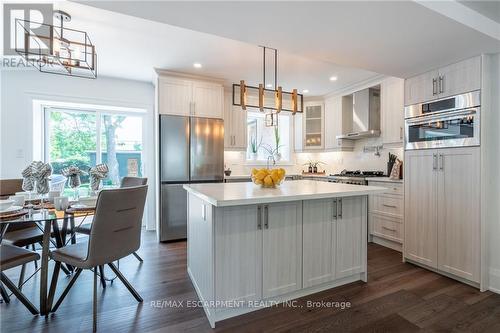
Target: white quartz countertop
236, 194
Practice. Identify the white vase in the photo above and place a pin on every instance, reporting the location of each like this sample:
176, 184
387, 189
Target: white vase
253, 156
277, 157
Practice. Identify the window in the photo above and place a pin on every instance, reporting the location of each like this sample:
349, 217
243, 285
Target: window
85, 138
265, 141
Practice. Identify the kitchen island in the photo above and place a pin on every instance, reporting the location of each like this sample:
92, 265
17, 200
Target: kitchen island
251, 247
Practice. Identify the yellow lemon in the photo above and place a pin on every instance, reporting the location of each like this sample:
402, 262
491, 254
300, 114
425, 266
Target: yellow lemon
268, 181
254, 171
260, 175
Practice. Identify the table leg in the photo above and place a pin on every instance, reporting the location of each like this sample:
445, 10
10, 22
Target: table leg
44, 268
72, 229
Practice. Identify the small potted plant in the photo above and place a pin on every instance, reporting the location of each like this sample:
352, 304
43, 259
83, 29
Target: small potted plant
277, 139
254, 147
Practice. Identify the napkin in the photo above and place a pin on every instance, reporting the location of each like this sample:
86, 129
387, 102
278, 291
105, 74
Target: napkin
73, 173
97, 173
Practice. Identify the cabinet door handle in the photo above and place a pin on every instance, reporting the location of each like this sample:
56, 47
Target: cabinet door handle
441, 162
339, 209
441, 84
390, 206
401, 133
434, 161
266, 217
390, 229
259, 217
434, 86
334, 209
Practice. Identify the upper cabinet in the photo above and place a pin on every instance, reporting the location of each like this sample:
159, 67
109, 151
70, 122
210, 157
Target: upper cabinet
235, 126
338, 118
186, 97
392, 110
455, 79
313, 125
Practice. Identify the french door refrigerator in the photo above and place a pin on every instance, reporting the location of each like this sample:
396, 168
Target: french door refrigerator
191, 151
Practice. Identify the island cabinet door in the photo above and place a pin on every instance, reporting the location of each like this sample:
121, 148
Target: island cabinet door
351, 236
238, 253
318, 241
282, 248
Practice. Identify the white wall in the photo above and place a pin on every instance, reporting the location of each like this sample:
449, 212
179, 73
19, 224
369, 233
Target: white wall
20, 87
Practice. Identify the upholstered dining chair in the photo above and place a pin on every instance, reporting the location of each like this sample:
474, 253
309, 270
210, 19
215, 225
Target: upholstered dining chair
13, 256
125, 182
20, 234
115, 233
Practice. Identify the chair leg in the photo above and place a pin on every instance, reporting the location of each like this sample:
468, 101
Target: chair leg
94, 303
137, 256
10, 285
66, 290
125, 282
101, 274
21, 277
5, 295
53, 284
34, 250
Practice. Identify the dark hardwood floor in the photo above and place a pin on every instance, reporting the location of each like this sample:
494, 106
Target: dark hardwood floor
398, 298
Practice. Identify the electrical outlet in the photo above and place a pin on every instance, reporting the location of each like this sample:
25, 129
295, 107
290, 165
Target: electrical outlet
19, 153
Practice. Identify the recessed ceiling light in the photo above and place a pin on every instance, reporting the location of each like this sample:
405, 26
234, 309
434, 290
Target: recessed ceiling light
197, 65
333, 78
305, 91
269, 85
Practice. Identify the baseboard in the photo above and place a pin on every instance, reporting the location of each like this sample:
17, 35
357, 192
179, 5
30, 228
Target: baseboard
387, 243
494, 280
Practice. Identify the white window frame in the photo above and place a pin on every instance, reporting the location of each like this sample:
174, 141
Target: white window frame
99, 112
288, 162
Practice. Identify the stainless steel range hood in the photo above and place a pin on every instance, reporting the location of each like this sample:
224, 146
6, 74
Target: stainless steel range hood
365, 115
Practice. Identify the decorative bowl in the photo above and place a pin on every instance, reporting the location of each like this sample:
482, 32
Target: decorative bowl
4, 204
268, 178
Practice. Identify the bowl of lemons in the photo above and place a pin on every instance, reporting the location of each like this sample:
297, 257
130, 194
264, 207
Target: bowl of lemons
269, 178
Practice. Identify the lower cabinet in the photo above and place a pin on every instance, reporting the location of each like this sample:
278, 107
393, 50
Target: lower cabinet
442, 210
282, 248
334, 239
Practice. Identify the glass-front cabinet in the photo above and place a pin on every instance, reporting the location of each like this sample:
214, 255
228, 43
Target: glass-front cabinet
313, 125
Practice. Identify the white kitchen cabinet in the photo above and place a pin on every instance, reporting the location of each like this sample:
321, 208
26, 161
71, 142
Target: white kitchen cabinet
282, 248
338, 120
458, 214
238, 253
208, 99
421, 88
185, 97
235, 126
421, 200
174, 96
319, 234
460, 77
454, 79
442, 210
313, 126
350, 244
392, 110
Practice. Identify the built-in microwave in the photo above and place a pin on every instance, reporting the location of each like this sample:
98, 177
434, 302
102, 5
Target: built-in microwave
448, 122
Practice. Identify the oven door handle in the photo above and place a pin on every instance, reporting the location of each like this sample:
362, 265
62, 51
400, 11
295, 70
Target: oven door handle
444, 116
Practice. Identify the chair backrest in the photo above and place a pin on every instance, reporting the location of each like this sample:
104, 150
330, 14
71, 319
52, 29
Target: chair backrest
116, 229
133, 181
9, 187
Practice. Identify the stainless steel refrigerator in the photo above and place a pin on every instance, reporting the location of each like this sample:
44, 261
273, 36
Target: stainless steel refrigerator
191, 151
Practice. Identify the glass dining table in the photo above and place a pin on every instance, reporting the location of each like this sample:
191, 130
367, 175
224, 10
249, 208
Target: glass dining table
56, 226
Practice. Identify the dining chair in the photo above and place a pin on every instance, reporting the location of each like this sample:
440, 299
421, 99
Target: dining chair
13, 256
20, 234
115, 233
125, 182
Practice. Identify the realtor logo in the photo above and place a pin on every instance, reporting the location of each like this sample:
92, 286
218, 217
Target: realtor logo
16, 25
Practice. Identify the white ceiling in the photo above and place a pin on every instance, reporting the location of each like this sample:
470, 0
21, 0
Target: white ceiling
399, 38
130, 47
490, 9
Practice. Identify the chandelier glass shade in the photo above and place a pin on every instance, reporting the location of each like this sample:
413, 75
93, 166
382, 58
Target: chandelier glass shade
56, 50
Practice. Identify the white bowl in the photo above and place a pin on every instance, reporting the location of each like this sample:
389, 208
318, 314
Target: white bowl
4, 204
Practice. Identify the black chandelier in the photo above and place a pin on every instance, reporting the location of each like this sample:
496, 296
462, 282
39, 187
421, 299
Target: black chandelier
266, 97
56, 50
